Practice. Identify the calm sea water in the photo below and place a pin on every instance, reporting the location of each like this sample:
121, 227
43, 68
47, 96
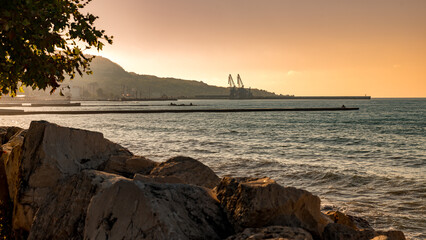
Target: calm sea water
369, 163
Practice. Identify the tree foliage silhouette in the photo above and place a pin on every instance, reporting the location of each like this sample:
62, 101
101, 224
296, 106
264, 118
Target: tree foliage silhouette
42, 41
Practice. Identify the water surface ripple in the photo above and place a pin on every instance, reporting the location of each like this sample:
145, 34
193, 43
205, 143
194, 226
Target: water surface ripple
370, 163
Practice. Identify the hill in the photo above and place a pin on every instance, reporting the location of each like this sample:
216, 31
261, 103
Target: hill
110, 80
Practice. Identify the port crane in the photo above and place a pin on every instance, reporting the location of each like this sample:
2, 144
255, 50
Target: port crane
231, 81
240, 82
233, 92
240, 92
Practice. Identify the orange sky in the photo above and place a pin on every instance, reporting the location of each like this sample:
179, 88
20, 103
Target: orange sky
300, 47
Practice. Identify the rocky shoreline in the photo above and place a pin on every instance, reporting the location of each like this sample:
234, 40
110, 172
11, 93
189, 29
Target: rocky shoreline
65, 183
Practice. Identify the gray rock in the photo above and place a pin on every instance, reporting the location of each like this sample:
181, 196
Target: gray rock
10, 156
5, 203
354, 222
272, 233
157, 179
61, 151
129, 166
50, 154
63, 214
7, 133
6, 208
335, 231
261, 202
189, 170
10, 159
145, 210
390, 235
4, 188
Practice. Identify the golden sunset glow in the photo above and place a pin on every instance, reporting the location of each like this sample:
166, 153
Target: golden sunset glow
303, 48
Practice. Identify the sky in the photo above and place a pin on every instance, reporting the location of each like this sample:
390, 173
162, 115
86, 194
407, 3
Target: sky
295, 47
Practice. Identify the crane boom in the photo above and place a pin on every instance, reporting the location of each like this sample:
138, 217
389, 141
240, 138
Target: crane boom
240, 82
231, 81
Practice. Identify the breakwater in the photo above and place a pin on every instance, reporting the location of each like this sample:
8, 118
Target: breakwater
17, 112
287, 97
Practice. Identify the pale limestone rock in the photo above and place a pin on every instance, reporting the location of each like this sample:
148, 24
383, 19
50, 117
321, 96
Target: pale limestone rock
10, 158
356, 223
335, 231
272, 233
3, 132
7, 133
381, 237
50, 154
129, 166
62, 151
63, 214
4, 189
189, 170
261, 202
145, 210
390, 235
157, 179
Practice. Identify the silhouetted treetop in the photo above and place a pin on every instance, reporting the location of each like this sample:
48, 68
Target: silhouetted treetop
42, 41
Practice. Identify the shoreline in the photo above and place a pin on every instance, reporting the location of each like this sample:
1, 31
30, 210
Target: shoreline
96, 173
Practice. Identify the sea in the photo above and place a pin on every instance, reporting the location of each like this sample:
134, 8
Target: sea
369, 163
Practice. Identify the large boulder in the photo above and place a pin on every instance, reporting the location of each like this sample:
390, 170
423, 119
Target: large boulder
157, 179
57, 152
189, 170
261, 202
336, 231
12, 139
272, 233
389, 235
7, 133
4, 189
354, 222
63, 214
10, 159
134, 209
129, 166
50, 154
5, 203
3, 132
